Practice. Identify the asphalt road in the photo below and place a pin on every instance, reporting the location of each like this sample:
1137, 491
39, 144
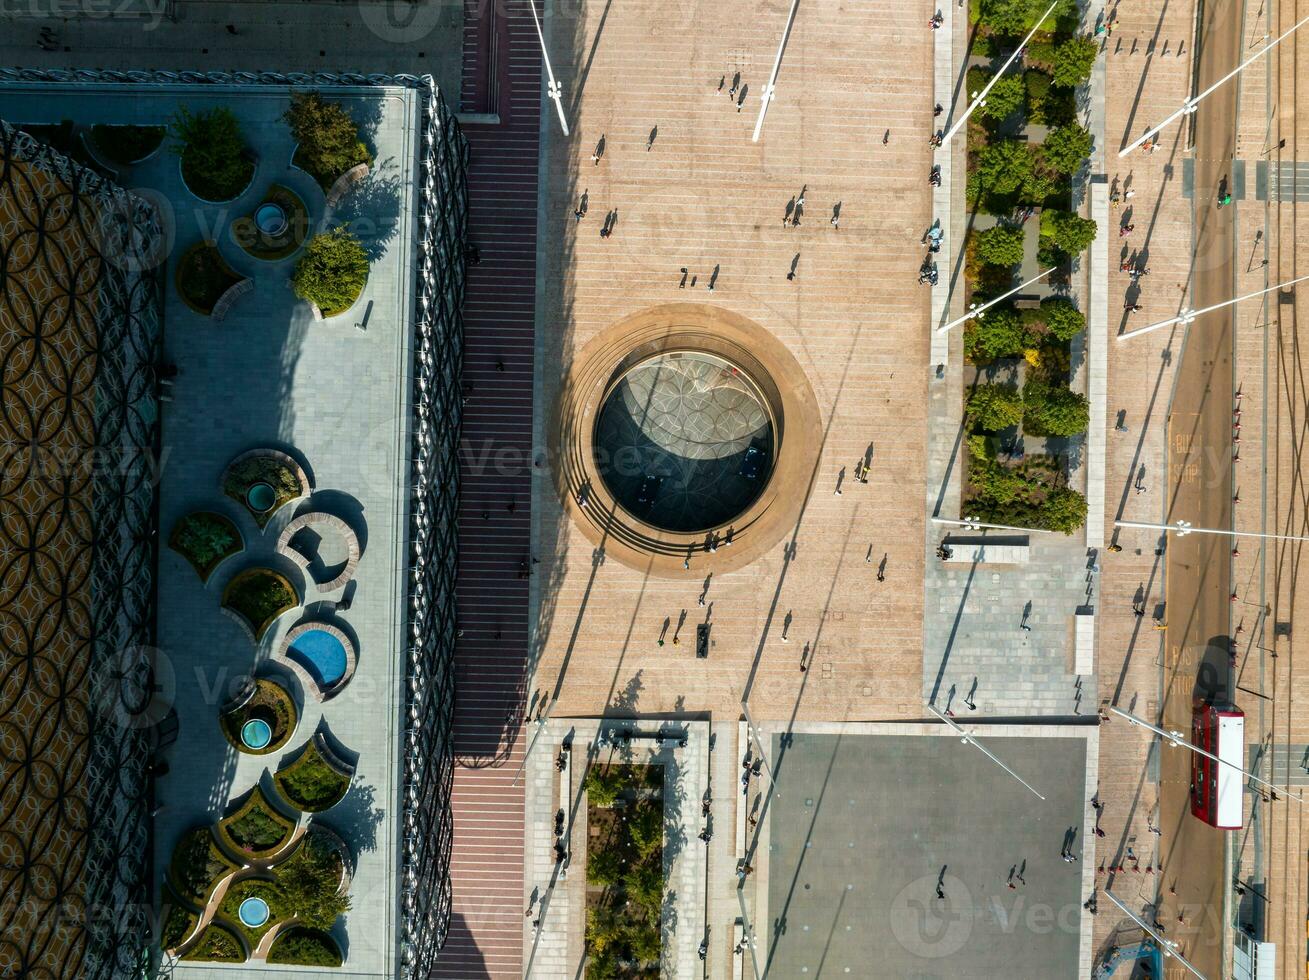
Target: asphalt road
1200, 485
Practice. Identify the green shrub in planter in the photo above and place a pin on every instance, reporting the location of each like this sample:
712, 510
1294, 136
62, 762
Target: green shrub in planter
215, 163
1054, 410
1006, 97
1063, 509
332, 272
993, 407
328, 137
999, 333
1065, 149
217, 945
125, 145
1073, 61
298, 946
1000, 245
1062, 318
1067, 231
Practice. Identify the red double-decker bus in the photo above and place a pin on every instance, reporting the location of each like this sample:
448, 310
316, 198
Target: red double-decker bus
1216, 787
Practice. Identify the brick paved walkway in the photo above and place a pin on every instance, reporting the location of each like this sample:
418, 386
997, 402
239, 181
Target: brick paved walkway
486, 935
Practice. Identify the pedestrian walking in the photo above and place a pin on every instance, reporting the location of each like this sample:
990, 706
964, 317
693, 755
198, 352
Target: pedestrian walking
1125, 230
682, 284
651, 138
231, 29
1025, 627
937, 110
1132, 307
886, 137
599, 151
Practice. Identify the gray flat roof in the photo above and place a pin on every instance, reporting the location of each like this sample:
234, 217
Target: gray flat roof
862, 828
339, 398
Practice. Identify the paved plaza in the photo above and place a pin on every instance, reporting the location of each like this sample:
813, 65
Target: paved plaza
864, 827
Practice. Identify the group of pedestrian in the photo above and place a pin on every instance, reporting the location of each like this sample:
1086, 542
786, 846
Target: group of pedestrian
735, 94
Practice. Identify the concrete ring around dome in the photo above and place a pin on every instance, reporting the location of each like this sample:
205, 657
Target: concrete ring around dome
685, 432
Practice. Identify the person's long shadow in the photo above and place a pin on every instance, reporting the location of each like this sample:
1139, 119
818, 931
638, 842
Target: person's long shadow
799, 521
1140, 88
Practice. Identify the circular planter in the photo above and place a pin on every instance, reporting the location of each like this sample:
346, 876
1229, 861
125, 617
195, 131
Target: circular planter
126, 145
265, 712
206, 540
256, 831
202, 277
256, 597
316, 781
276, 228
254, 169
267, 466
301, 946
322, 314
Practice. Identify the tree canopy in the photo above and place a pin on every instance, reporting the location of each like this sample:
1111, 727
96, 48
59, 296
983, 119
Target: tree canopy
1001, 245
1066, 148
1067, 231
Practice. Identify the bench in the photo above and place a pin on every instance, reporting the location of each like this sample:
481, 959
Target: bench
230, 296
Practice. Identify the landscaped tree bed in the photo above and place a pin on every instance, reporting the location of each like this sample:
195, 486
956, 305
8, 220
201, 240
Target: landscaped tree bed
624, 871
270, 703
332, 273
277, 226
298, 946
202, 276
257, 888
312, 783
216, 944
258, 596
263, 481
327, 137
126, 145
205, 539
197, 865
216, 164
178, 924
256, 830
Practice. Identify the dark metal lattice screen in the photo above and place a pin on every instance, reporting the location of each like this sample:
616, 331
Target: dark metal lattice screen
429, 749
79, 333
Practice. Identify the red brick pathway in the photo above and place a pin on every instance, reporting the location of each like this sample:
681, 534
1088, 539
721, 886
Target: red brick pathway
502, 71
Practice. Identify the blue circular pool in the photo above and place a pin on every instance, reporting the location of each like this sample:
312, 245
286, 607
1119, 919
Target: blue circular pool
320, 653
253, 912
256, 734
270, 218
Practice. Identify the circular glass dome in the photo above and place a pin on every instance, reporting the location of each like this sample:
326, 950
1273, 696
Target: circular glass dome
256, 734
260, 497
270, 218
253, 912
685, 441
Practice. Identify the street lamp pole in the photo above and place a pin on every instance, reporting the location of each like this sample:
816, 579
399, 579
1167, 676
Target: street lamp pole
1186, 316
1191, 104
1176, 738
1183, 528
975, 311
973, 524
767, 95
1166, 947
981, 96
970, 739
552, 88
